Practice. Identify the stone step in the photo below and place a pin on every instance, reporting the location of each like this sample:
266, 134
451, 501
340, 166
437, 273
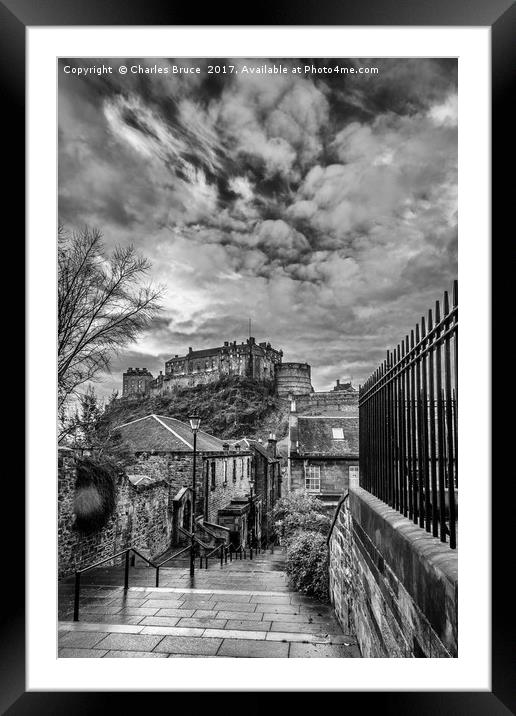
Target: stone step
242, 609
85, 639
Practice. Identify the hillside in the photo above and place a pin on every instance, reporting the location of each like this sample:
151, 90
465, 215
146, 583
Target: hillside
230, 408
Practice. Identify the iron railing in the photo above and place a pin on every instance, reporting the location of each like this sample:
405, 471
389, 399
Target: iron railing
126, 552
223, 549
408, 425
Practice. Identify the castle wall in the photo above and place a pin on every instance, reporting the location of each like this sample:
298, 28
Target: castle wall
293, 379
251, 360
321, 403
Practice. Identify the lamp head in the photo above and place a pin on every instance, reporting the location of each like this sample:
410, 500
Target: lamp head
195, 422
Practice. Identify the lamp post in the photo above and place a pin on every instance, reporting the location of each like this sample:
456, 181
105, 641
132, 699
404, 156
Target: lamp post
195, 422
251, 512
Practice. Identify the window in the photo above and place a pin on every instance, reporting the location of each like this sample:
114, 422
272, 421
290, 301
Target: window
353, 471
313, 478
338, 433
225, 481
234, 470
213, 482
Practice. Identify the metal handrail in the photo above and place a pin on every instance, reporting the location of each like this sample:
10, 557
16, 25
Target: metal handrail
125, 552
220, 547
169, 559
334, 520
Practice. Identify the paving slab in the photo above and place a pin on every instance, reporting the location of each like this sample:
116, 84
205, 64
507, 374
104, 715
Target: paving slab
127, 602
266, 599
159, 621
206, 622
108, 618
234, 607
103, 609
251, 616
134, 655
297, 627
235, 634
80, 639
246, 625
188, 645
332, 651
301, 619
247, 648
276, 608
67, 653
108, 628
176, 612
137, 612
162, 604
173, 631
129, 642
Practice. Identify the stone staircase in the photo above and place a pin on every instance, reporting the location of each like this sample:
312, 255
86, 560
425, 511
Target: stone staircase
243, 609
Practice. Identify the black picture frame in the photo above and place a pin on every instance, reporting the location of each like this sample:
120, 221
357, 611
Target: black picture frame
500, 15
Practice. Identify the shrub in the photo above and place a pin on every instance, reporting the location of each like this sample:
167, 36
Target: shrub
307, 564
95, 494
300, 511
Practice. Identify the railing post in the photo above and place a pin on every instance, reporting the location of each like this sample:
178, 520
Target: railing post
76, 597
126, 575
157, 576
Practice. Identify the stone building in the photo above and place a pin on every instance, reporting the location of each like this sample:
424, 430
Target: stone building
347, 386
266, 478
136, 382
322, 454
198, 367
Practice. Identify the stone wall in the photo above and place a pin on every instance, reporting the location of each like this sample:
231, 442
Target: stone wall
390, 581
323, 403
226, 489
142, 519
334, 474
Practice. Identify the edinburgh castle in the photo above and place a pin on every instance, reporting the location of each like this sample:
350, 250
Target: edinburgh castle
257, 361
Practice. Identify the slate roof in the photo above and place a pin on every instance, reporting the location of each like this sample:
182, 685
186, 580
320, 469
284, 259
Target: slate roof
250, 443
160, 433
315, 436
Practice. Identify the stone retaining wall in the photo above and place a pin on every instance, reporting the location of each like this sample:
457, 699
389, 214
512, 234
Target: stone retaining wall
390, 581
142, 519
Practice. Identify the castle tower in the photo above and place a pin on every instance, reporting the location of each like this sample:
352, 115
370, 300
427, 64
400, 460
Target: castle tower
294, 379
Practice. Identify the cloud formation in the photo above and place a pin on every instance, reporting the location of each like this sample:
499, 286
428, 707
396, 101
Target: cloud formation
323, 207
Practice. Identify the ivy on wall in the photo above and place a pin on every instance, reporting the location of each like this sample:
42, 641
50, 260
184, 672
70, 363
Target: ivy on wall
95, 494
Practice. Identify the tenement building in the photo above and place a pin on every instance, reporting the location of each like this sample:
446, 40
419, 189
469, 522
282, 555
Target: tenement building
322, 454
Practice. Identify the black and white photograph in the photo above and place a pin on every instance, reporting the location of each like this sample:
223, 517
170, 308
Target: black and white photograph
257, 357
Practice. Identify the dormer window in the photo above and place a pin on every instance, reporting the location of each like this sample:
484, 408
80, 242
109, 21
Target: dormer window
337, 433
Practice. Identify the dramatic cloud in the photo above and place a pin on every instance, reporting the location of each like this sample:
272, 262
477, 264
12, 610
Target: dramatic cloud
323, 207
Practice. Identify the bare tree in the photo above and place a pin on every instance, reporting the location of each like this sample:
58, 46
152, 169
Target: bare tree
103, 305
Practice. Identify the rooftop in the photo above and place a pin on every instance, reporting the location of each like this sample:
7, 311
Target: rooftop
327, 435
160, 433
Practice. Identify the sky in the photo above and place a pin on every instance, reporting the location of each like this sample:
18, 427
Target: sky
321, 206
